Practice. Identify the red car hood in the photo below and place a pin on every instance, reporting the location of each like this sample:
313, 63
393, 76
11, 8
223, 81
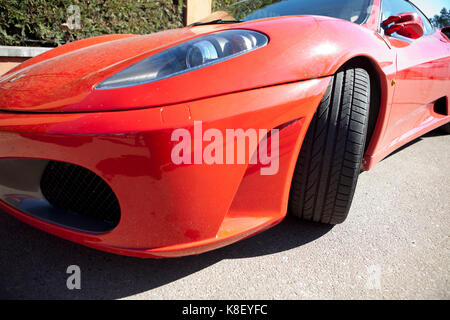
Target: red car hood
63, 76
63, 79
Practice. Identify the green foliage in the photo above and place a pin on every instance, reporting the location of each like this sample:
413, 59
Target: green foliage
241, 8
44, 22
442, 20
220, 4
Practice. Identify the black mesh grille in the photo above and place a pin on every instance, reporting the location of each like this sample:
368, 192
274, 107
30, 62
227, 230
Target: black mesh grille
76, 189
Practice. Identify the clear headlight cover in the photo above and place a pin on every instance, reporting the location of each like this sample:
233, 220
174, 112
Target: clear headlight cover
185, 57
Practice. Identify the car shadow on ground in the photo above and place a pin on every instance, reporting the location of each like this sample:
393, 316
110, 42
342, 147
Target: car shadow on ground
33, 263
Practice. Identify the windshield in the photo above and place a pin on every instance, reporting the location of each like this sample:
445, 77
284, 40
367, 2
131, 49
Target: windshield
352, 10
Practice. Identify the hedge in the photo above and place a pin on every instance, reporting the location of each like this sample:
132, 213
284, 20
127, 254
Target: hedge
43, 22
219, 4
240, 9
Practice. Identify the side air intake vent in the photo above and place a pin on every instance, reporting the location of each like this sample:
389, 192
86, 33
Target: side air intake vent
440, 106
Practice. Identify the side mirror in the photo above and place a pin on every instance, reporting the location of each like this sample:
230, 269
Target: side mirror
408, 24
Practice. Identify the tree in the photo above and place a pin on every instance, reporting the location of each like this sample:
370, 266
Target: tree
443, 20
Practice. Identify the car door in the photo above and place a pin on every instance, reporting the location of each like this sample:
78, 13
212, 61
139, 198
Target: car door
423, 69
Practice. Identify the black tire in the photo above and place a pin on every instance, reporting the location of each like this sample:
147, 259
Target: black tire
329, 163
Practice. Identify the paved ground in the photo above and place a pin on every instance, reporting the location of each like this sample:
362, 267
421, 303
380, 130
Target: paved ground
395, 244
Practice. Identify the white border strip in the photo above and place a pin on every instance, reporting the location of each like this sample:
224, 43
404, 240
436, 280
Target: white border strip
27, 52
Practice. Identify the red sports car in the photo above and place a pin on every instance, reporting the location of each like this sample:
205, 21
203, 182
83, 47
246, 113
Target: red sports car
183, 141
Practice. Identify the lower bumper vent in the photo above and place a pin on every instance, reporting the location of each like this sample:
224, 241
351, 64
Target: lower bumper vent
79, 190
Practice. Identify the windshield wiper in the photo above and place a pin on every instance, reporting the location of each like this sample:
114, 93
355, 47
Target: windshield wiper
217, 21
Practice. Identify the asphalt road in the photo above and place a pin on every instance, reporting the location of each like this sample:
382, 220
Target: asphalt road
395, 244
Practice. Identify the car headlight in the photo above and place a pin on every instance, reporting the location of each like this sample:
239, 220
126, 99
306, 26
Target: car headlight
188, 56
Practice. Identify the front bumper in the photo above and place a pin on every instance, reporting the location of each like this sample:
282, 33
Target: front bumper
170, 210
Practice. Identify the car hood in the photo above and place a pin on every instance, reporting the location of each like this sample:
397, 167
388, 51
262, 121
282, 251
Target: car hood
65, 76
63, 79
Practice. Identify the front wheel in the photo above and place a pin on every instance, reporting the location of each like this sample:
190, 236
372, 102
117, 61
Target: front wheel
329, 163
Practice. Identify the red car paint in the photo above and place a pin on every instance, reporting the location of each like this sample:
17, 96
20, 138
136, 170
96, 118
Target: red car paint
124, 135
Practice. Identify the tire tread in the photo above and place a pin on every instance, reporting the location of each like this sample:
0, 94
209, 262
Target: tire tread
329, 162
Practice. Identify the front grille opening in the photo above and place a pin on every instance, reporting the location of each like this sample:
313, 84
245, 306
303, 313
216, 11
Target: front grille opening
79, 190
